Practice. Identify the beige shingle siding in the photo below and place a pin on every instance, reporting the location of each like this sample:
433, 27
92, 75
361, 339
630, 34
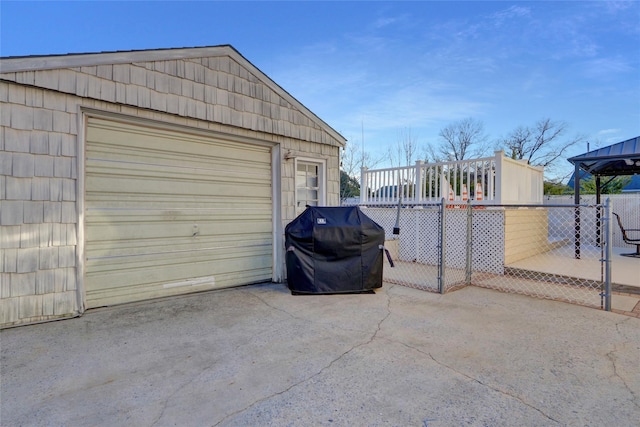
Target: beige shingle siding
185, 89
17, 188
39, 172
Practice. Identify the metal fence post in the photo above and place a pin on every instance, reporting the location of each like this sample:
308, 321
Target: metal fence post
469, 242
608, 254
441, 287
576, 232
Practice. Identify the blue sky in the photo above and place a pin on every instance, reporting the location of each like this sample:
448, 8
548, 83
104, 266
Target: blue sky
378, 69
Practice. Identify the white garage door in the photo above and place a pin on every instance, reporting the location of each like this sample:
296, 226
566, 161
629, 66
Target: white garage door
167, 212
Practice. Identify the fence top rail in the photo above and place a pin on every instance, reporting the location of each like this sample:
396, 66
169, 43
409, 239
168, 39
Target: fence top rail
409, 204
395, 205
435, 164
390, 169
458, 162
550, 206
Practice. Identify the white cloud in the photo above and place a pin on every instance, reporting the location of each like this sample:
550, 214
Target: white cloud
509, 14
617, 6
607, 137
606, 68
390, 20
608, 131
384, 22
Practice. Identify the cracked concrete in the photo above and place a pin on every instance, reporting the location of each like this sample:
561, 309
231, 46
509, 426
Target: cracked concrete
313, 375
259, 356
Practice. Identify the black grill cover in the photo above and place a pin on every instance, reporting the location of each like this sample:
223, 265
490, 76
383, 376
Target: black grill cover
333, 250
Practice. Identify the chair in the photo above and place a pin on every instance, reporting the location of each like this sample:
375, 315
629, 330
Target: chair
627, 237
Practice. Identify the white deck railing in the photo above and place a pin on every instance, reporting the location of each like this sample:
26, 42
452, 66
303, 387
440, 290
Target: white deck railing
493, 180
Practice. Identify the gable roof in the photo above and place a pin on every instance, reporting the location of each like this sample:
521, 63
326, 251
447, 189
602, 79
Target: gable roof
622, 158
27, 64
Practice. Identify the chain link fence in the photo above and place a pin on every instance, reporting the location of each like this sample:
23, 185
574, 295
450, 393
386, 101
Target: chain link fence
554, 251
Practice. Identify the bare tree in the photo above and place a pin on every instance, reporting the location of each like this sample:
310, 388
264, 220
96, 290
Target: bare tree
462, 139
404, 152
431, 155
540, 145
352, 158
517, 141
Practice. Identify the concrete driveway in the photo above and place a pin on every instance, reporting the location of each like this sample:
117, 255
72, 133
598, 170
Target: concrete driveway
261, 357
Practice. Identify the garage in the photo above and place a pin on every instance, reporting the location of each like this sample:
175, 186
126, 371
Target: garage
132, 175
168, 211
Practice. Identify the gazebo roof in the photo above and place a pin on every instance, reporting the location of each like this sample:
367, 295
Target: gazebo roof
622, 158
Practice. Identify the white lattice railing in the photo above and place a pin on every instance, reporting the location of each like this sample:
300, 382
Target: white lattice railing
495, 180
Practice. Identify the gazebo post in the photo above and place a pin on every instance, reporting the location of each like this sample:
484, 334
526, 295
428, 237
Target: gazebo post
598, 213
576, 212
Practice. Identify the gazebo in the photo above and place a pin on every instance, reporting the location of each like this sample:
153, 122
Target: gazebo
612, 161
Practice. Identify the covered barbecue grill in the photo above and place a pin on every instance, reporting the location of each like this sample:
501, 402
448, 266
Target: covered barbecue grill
333, 250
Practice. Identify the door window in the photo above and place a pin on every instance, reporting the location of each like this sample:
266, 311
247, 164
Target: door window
308, 185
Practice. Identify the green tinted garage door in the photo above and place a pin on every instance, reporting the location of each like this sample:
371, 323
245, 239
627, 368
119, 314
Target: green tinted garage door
168, 212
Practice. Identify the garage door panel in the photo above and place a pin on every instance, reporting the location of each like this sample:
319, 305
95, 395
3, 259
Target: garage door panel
219, 176
149, 246
107, 247
149, 271
176, 214
151, 145
176, 182
193, 188
112, 272
139, 247
133, 214
252, 159
155, 202
142, 292
117, 293
223, 173
127, 230
208, 216
167, 212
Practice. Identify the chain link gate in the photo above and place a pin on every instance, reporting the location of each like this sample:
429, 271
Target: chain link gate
415, 250
557, 252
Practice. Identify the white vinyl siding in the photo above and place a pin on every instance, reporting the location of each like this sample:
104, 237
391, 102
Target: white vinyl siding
169, 212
